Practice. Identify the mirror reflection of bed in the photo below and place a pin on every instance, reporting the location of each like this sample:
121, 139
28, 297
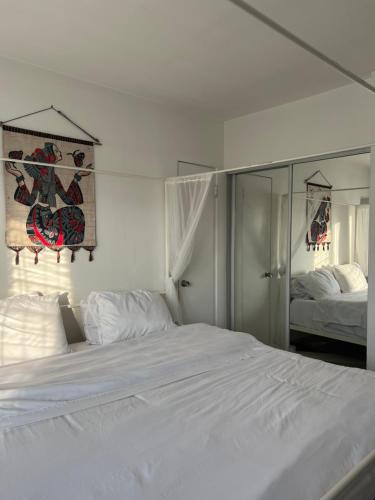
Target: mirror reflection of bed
329, 259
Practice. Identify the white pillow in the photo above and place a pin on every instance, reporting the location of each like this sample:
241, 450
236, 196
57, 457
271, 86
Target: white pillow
297, 290
319, 284
88, 314
125, 315
31, 327
350, 278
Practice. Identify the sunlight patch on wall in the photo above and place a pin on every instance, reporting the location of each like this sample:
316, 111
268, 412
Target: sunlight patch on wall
46, 277
335, 246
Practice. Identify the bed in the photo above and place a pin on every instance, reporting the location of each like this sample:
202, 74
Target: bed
194, 412
341, 317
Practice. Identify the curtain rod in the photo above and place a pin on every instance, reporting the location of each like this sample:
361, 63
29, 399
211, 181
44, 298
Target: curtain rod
337, 190
355, 150
364, 149
249, 9
95, 171
322, 200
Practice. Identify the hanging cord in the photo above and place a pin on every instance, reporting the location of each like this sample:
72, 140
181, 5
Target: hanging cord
249, 9
25, 116
61, 113
318, 172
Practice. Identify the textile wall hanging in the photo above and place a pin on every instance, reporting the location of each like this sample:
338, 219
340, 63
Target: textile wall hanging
318, 213
48, 207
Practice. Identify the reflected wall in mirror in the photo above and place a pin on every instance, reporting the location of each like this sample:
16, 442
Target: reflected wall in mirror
329, 259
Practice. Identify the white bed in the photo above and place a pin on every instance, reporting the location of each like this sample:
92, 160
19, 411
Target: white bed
80, 346
341, 317
195, 412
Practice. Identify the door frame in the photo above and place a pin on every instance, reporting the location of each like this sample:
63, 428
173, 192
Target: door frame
291, 164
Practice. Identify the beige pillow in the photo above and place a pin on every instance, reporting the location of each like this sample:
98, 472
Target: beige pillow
350, 278
31, 327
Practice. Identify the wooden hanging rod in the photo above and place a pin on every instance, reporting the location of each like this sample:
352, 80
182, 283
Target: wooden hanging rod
318, 172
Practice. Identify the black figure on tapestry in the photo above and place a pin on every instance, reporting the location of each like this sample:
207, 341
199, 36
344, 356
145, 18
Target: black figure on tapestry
318, 213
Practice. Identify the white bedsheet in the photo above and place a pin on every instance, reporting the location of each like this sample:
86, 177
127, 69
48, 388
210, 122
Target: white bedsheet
342, 314
192, 413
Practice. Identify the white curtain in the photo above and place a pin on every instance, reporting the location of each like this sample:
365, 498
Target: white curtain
361, 237
184, 200
279, 261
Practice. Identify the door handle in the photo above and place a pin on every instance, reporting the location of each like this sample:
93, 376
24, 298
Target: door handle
185, 283
268, 275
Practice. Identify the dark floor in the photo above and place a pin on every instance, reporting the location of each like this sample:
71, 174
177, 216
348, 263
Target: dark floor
330, 350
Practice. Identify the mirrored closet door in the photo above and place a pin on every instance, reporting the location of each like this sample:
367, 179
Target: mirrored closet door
259, 259
329, 259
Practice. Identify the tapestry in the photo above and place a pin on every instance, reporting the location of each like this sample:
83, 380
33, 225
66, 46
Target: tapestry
48, 207
318, 213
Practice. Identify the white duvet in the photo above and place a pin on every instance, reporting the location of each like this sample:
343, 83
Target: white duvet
194, 413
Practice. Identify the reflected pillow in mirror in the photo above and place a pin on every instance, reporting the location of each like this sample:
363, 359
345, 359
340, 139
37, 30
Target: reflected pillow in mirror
297, 290
320, 284
350, 278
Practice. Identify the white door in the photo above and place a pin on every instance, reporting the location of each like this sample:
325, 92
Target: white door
198, 297
252, 255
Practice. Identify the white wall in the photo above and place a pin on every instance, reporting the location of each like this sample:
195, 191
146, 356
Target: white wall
138, 136
340, 119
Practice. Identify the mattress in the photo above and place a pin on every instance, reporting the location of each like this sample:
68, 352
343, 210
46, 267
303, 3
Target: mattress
345, 314
195, 412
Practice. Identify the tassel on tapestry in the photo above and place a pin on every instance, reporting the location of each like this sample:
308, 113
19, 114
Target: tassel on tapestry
48, 207
17, 250
58, 251
36, 251
73, 255
90, 250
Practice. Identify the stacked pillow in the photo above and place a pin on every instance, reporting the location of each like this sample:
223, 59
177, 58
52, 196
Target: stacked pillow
31, 327
297, 290
350, 278
330, 281
319, 284
114, 316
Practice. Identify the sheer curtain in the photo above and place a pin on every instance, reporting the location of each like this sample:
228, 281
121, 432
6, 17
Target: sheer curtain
184, 200
361, 237
279, 262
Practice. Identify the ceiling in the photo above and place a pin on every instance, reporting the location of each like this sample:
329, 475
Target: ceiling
205, 55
